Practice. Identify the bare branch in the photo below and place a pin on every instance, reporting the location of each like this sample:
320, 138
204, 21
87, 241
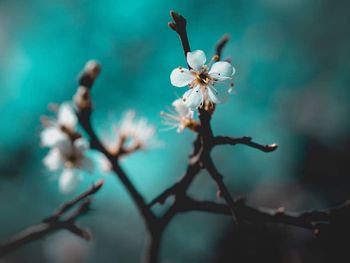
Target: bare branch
179, 26
55, 222
84, 117
220, 46
226, 140
312, 220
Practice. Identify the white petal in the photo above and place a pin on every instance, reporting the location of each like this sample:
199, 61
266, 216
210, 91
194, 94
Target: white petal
221, 70
66, 116
53, 160
65, 146
104, 164
219, 91
51, 136
180, 107
69, 180
181, 77
196, 59
193, 98
81, 144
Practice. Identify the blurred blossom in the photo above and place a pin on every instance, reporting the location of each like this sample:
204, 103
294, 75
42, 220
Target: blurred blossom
64, 247
206, 84
138, 130
67, 153
59, 130
179, 117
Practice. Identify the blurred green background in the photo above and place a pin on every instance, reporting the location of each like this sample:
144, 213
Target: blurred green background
292, 81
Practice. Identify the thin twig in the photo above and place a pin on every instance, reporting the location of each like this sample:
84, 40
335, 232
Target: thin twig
220, 45
179, 26
57, 221
223, 140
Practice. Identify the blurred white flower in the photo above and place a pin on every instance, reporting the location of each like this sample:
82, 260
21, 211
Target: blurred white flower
57, 130
139, 131
64, 247
179, 118
69, 158
69, 180
67, 153
212, 85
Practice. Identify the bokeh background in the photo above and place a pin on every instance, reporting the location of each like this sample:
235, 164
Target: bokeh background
292, 88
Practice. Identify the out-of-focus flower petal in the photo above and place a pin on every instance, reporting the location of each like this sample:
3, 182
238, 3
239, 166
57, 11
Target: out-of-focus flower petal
81, 144
50, 136
69, 180
181, 108
53, 160
66, 116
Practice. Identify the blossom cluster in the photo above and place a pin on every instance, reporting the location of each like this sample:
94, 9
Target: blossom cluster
208, 85
68, 154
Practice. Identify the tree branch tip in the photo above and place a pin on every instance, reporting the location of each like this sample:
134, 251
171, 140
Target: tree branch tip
99, 184
272, 147
172, 25
178, 19
93, 68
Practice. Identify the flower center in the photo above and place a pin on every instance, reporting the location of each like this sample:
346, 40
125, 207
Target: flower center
203, 77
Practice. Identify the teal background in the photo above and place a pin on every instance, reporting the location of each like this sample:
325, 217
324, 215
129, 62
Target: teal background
292, 84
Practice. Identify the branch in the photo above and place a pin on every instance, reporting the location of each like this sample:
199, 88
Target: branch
180, 187
179, 26
223, 140
84, 112
313, 220
220, 45
55, 222
224, 192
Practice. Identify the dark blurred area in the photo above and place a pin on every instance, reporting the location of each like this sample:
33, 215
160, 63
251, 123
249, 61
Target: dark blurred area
292, 61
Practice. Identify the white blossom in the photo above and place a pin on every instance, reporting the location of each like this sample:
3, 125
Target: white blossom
57, 130
67, 154
69, 180
212, 85
180, 117
138, 130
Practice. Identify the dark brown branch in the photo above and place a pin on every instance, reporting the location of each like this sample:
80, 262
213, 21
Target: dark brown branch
180, 187
84, 117
220, 46
70, 204
179, 26
224, 192
58, 221
223, 140
309, 220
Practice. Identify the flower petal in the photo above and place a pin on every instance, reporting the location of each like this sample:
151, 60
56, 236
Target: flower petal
81, 144
66, 116
193, 98
53, 160
181, 77
69, 180
51, 136
196, 59
221, 70
219, 91
181, 108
